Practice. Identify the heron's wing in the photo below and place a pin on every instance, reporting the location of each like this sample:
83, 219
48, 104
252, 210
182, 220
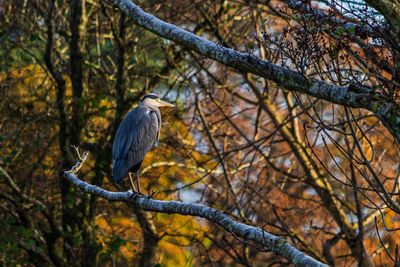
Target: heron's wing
135, 136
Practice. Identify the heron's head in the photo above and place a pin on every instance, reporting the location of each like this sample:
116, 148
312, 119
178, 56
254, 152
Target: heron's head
154, 101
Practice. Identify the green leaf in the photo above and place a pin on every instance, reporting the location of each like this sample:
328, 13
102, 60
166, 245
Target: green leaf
115, 244
340, 31
351, 30
24, 232
34, 37
95, 103
31, 244
102, 112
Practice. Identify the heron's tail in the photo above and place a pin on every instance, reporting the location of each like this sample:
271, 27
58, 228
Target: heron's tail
118, 171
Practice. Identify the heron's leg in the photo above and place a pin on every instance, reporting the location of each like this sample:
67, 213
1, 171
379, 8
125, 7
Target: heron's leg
138, 182
132, 185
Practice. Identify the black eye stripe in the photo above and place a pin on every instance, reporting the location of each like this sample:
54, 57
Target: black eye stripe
150, 96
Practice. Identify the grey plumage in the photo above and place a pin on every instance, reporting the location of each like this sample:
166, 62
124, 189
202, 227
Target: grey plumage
136, 135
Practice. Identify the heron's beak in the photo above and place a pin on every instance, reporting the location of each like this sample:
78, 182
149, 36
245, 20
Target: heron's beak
162, 103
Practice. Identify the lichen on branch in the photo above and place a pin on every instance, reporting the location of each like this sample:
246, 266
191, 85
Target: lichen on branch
268, 241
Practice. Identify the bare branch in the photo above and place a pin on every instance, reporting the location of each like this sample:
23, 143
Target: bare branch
251, 233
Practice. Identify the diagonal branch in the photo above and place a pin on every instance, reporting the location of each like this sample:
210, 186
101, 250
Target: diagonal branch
354, 96
252, 233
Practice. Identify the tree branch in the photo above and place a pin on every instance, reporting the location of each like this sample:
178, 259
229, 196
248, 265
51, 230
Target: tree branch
255, 234
354, 96
390, 9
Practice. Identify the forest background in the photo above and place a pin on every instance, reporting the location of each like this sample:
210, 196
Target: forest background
297, 135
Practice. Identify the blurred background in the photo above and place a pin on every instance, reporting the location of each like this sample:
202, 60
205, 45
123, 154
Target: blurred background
296, 166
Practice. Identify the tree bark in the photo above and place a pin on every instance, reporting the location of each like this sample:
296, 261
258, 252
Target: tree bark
270, 242
150, 237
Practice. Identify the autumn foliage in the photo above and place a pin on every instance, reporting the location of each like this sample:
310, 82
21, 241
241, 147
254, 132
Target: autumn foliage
323, 176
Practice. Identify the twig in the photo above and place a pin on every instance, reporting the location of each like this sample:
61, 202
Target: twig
82, 159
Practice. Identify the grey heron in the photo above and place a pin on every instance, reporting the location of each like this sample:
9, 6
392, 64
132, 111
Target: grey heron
136, 135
